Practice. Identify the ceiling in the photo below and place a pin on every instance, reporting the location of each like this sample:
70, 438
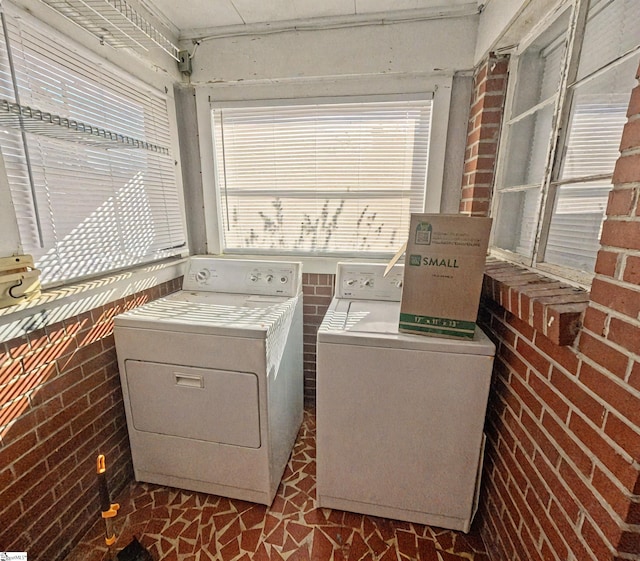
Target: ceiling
206, 16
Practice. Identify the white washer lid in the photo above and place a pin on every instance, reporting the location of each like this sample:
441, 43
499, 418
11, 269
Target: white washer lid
375, 323
211, 313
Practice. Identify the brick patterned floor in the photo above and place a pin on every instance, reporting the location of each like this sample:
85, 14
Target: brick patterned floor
178, 525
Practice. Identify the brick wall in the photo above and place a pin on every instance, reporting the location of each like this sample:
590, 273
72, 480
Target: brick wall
483, 133
562, 478
318, 291
61, 407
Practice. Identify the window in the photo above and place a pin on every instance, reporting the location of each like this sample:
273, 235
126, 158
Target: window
321, 178
87, 153
564, 118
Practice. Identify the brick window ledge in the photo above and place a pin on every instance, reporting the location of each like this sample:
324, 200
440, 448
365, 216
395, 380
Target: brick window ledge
549, 306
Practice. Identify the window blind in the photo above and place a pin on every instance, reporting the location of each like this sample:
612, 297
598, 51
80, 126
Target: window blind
331, 178
96, 208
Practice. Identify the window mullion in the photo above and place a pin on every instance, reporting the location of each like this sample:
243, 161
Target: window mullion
562, 112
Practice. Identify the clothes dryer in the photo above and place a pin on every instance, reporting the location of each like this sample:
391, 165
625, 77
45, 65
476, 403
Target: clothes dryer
212, 378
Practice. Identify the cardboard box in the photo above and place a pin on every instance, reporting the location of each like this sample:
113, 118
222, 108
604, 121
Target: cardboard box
444, 267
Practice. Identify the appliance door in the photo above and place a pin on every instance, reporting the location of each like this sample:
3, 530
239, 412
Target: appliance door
196, 403
400, 428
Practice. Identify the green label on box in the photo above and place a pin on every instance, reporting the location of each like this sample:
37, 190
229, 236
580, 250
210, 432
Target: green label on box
436, 325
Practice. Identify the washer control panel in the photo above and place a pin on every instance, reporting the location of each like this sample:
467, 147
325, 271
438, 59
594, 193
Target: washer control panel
241, 276
367, 281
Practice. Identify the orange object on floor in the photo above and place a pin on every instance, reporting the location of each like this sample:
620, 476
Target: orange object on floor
176, 525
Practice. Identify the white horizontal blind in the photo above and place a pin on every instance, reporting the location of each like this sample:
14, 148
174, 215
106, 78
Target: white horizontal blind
331, 179
99, 208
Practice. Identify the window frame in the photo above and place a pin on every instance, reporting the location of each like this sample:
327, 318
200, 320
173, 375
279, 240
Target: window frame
143, 77
550, 182
439, 87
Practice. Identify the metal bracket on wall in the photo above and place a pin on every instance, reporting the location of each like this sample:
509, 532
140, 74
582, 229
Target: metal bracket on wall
184, 64
19, 280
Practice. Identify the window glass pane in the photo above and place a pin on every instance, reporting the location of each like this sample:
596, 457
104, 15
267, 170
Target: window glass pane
576, 225
538, 73
330, 179
613, 28
527, 148
98, 208
515, 227
598, 115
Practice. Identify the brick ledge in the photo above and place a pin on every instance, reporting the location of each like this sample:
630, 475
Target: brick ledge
551, 307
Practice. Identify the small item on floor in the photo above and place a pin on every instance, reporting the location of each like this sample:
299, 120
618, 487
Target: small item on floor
135, 551
108, 509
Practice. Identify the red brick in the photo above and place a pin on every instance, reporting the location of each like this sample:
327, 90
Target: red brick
633, 514
625, 435
533, 357
556, 488
618, 500
563, 322
625, 334
527, 397
629, 542
631, 271
630, 135
514, 361
8, 372
634, 102
568, 532
619, 233
606, 356
18, 347
634, 377
601, 449
606, 263
621, 202
484, 178
595, 321
483, 163
627, 169
548, 395
540, 439
564, 356
584, 492
11, 453
619, 298
617, 394
600, 548
13, 411
568, 444
574, 392
476, 193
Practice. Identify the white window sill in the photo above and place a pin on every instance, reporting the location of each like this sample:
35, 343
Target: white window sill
315, 265
71, 300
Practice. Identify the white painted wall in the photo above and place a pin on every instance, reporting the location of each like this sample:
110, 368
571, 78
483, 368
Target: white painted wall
430, 46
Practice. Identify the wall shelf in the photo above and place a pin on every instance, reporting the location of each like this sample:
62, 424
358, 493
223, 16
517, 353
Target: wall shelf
23, 117
114, 22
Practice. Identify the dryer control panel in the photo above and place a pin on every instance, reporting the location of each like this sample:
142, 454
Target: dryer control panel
242, 276
367, 281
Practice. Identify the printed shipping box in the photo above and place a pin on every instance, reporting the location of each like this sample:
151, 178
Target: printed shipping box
444, 266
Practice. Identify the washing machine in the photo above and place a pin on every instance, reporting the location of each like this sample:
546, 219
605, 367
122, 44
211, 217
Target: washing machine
212, 378
399, 416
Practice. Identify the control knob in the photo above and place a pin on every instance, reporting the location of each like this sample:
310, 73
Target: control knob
203, 275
